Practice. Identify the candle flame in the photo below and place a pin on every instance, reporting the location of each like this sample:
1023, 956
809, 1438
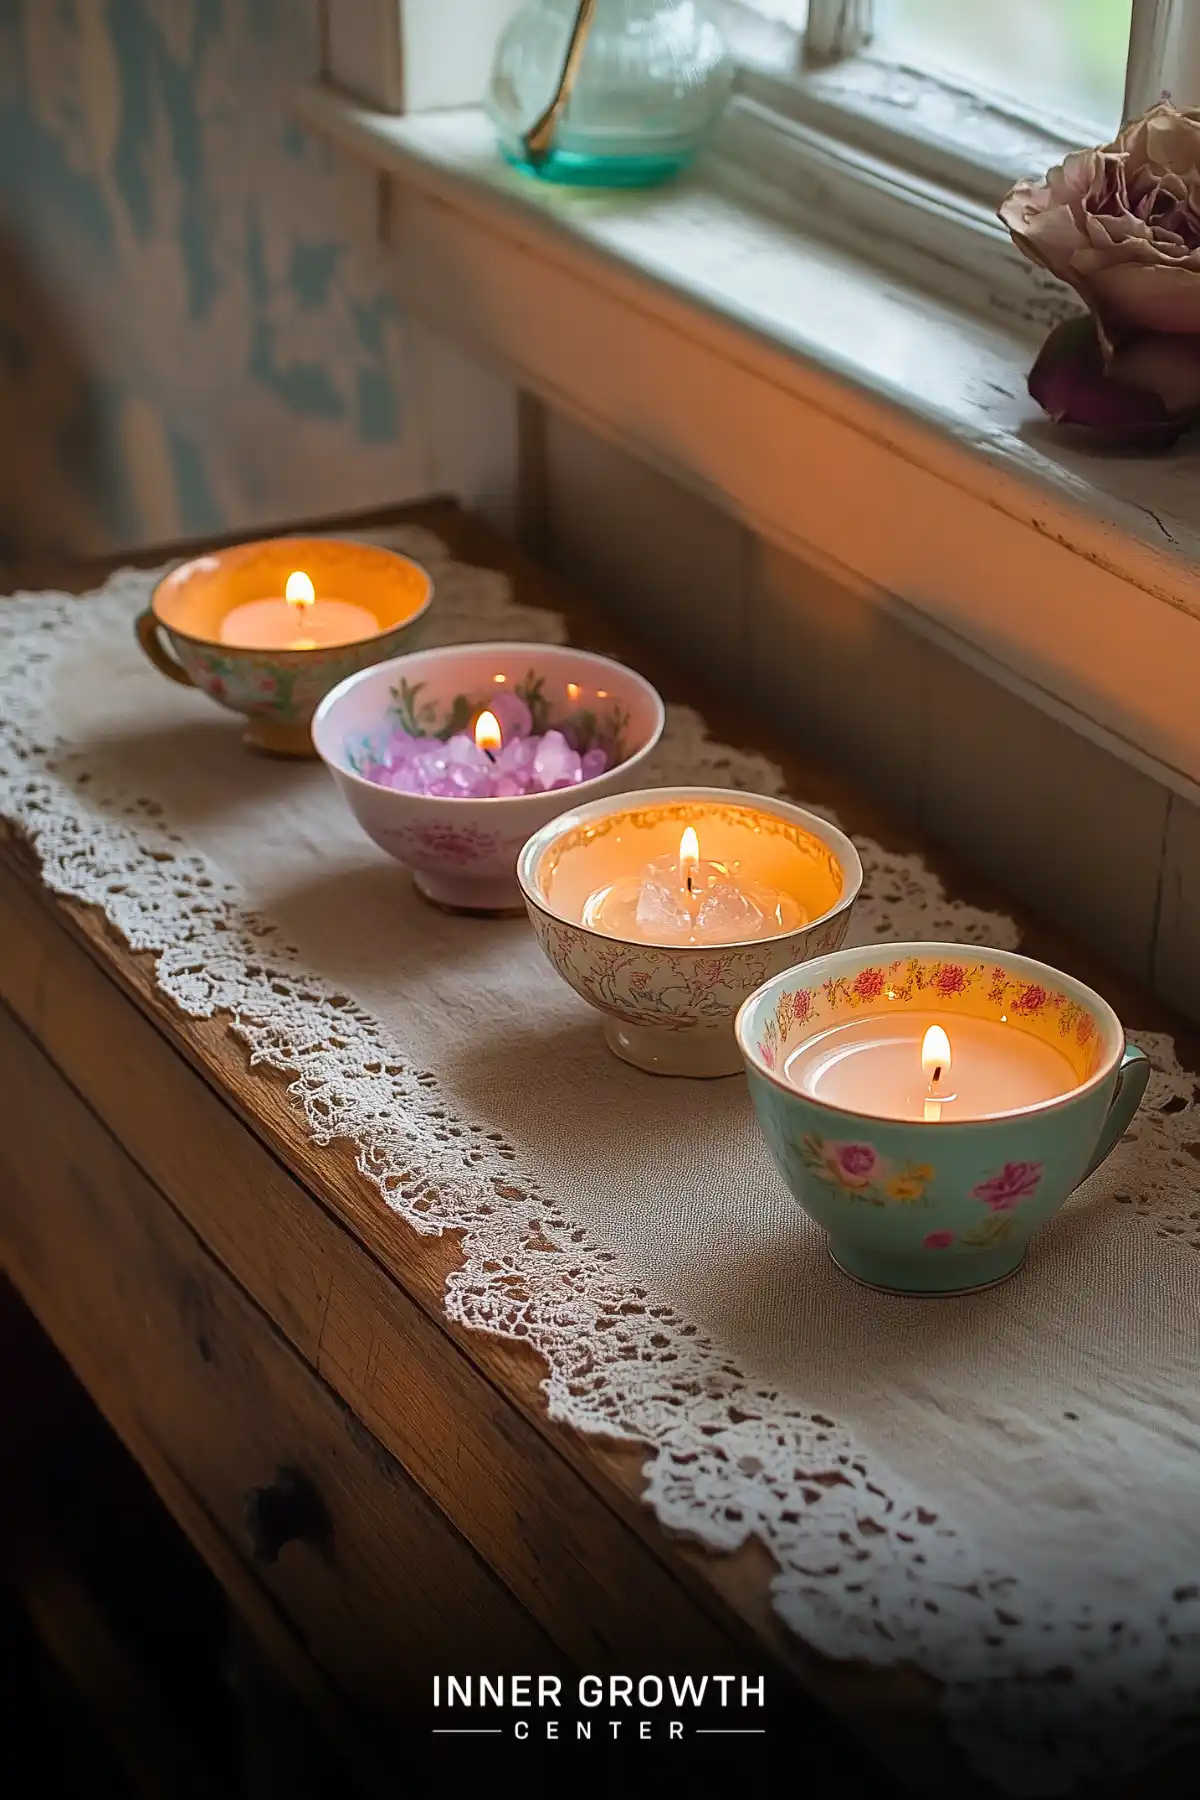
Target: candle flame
299, 592
935, 1055
573, 691
689, 858
488, 736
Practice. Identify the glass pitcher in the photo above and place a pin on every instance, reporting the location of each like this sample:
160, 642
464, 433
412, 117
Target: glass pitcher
648, 82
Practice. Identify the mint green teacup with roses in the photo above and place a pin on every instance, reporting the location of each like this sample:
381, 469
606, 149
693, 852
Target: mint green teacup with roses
930, 1105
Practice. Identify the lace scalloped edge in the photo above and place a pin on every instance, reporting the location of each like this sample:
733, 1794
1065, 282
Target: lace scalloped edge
867, 1568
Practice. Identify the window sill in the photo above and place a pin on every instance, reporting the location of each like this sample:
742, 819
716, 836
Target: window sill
836, 408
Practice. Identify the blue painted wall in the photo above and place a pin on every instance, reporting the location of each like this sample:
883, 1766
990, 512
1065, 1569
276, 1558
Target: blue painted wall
194, 334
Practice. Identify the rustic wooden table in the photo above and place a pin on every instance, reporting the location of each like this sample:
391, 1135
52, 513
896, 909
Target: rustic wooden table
379, 1493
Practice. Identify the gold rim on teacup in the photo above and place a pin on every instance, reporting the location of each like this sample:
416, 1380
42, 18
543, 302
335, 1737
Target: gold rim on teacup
669, 1009
914, 1199
277, 690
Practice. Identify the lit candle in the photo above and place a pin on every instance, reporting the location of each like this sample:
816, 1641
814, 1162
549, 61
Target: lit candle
489, 761
686, 900
298, 621
488, 735
898, 1067
935, 1066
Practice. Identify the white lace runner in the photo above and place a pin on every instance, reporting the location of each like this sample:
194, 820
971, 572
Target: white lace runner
994, 1489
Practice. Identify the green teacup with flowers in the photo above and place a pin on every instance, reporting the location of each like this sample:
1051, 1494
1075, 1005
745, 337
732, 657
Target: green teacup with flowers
930, 1105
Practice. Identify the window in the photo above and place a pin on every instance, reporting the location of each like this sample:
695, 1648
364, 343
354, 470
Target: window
895, 126
1064, 59
933, 108
992, 82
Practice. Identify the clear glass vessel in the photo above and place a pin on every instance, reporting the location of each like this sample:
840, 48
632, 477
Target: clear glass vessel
653, 79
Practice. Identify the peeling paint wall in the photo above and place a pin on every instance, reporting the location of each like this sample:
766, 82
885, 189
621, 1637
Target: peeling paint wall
193, 335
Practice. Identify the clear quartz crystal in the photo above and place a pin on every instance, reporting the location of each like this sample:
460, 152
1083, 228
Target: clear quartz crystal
727, 913
662, 908
723, 908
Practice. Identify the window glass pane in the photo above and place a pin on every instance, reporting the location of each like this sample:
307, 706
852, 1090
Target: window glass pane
1064, 57
782, 12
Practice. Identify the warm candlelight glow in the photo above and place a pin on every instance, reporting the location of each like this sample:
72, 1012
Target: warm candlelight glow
573, 691
703, 888
294, 621
935, 1055
299, 592
935, 1066
488, 736
689, 858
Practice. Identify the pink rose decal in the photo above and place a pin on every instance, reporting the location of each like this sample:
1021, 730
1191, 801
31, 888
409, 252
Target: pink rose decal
440, 842
951, 978
1031, 999
1015, 1182
939, 1240
853, 1165
801, 1005
868, 984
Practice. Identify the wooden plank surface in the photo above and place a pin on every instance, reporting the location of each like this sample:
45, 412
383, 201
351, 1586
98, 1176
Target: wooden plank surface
380, 1583
556, 1543
732, 1592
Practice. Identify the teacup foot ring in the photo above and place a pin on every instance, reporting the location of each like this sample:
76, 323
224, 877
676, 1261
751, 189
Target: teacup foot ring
270, 738
702, 1055
925, 1293
457, 898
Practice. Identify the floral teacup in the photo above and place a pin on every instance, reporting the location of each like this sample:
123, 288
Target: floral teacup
463, 852
669, 1010
933, 1205
277, 691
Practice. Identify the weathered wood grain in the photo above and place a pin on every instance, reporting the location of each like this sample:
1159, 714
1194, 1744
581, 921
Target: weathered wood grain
534, 1519
385, 1587
396, 1306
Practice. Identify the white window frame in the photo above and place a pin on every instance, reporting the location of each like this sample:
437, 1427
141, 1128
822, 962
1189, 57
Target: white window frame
830, 75
921, 159
732, 359
420, 55
850, 142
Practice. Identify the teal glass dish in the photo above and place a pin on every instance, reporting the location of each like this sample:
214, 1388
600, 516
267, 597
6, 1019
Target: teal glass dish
651, 83
943, 1206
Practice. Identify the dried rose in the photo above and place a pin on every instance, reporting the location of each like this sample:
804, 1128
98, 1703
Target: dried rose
1121, 225
1076, 384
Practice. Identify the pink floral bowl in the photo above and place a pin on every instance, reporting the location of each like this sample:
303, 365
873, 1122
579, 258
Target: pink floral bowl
463, 852
937, 1205
277, 691
670, 1010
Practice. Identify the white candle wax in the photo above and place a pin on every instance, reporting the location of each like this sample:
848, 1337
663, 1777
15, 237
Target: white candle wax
874, 1066
685, 900
278, 624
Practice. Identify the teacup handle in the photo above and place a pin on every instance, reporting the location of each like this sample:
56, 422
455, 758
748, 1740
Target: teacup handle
1132, 1077
146, 626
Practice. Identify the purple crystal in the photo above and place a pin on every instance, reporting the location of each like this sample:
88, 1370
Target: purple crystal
510, 712
457, 769
556, 765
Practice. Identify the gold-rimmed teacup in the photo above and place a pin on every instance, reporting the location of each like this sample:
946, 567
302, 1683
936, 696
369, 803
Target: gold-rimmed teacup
277, 690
